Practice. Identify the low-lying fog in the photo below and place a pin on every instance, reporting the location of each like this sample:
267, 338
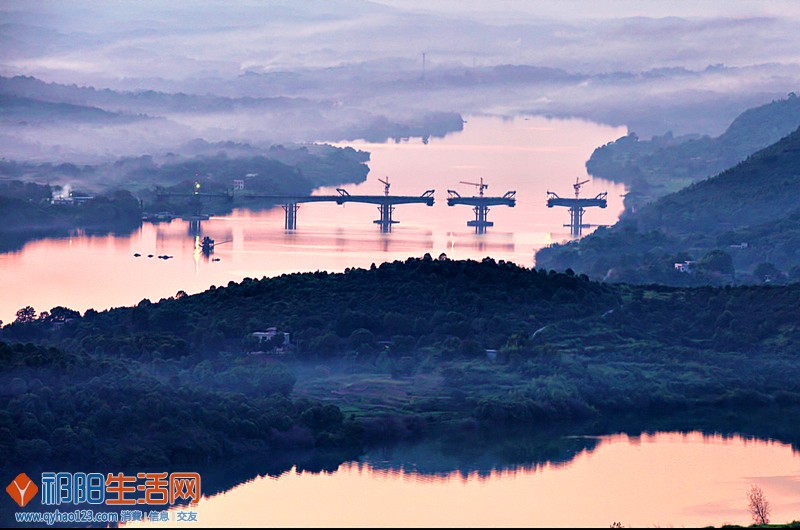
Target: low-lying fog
281, 71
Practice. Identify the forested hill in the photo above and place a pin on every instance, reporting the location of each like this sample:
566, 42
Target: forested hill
665, 163
453, 307
763, 188
439, 303
383, 354
747, 216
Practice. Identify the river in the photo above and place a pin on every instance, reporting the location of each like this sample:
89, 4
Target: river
659, 479
527, 155
651, 480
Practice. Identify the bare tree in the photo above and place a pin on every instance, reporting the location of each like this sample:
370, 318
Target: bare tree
758, 505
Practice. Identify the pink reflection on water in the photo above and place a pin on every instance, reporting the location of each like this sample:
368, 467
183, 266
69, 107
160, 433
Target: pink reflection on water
661, 479
530, 156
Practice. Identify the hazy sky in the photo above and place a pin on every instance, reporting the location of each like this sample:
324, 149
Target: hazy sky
181, 38
639, 63
577, 9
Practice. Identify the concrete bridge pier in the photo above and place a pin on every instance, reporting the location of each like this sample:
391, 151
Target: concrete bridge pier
290, 222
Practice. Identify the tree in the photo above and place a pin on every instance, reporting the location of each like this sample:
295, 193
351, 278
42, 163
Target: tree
758, 505
276, 341
717, 261
25, 315
62, 314
766, 272
250, 343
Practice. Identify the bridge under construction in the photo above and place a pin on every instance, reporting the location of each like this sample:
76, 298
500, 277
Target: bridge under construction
577, 206
386, 203
480, 204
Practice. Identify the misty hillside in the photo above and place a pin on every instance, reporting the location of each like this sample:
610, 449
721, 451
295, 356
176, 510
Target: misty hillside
748, 213
149, 101
277, 169
182, 118
16, 110
666, 163
763, 188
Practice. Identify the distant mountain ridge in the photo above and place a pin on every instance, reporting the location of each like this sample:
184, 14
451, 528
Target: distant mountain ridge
142, 100
25, 111
263, 120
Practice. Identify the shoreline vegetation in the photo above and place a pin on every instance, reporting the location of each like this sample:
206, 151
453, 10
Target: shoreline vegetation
44, 199
422, 349
101, 199
741, 226
665, 164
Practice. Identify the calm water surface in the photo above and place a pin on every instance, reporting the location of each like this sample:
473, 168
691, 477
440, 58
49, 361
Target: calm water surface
528, 155
663, 479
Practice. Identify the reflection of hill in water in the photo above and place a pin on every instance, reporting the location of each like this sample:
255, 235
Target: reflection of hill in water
482, 453
480, 458
15, 241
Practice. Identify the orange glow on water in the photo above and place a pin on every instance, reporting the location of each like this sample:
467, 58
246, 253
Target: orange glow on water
663, 479
530, 156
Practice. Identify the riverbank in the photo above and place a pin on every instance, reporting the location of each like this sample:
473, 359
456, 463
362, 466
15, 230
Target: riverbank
113, 197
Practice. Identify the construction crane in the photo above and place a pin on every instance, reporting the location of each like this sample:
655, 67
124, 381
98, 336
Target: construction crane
577, 206
386, 202
385, 186
480, 186
577, 186
480, 204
